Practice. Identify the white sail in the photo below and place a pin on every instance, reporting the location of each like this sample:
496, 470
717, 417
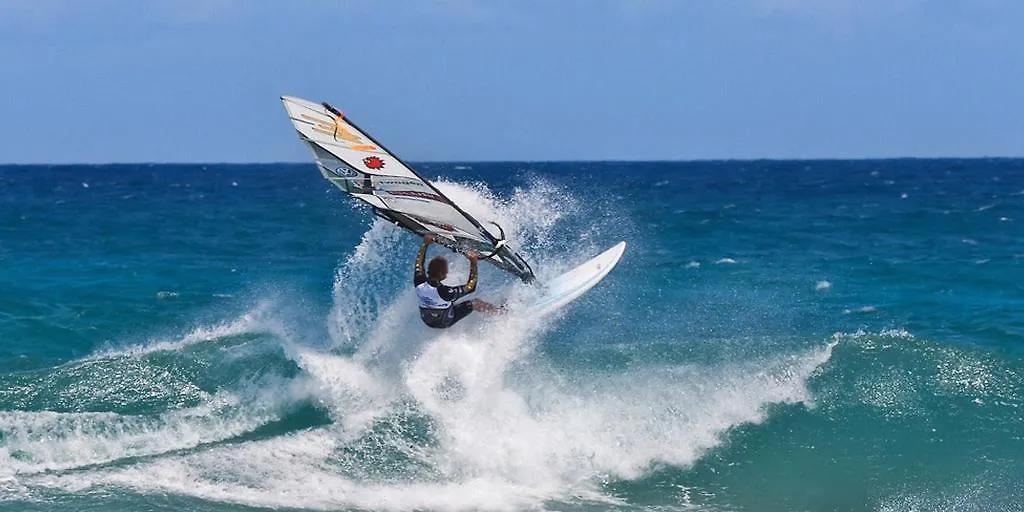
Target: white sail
357, 164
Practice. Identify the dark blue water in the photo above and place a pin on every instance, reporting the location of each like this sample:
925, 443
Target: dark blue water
818, 335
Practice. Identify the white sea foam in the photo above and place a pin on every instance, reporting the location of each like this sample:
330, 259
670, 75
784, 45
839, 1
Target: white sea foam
822, 285
895, 334
866, 339
527, 217
862, 309
511, 439
725, 261
508, 428
358, 292
40, 441
257, 320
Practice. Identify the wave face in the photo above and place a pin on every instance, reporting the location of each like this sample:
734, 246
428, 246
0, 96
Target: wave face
779, 336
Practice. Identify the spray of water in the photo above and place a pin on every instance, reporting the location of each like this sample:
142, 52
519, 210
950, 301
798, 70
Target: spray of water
468, 418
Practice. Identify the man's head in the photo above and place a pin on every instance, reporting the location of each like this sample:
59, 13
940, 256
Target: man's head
437, 269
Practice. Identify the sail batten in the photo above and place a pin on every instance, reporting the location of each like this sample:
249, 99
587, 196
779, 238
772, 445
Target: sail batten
359, 165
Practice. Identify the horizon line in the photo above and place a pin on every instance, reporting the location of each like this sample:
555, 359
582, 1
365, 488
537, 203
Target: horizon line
506, 161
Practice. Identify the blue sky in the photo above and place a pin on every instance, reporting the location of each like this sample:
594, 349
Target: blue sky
191, 81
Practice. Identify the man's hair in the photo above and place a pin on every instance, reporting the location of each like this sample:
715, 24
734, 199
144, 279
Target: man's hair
437, 268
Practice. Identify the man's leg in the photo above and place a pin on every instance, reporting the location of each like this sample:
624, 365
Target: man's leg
460, 311
479, 305
463, 309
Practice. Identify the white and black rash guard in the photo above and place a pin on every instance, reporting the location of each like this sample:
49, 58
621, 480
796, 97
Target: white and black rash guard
436, 299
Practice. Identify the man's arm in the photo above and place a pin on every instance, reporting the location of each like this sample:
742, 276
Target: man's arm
470, 286
418, 275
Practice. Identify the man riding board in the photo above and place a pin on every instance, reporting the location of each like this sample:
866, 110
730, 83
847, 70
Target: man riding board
438, 308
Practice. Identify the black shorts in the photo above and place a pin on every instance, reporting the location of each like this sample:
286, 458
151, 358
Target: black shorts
444, 318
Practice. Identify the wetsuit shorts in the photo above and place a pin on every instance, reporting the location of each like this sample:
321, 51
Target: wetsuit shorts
444, 318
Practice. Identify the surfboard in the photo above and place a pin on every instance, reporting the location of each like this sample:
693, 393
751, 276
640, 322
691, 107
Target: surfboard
569, 286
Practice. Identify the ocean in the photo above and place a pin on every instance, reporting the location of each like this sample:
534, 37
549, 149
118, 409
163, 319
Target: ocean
779, 336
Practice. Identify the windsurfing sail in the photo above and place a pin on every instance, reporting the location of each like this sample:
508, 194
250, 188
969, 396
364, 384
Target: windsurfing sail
353, 161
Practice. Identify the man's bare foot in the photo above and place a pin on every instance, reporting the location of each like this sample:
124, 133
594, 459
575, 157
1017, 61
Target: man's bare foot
479, 305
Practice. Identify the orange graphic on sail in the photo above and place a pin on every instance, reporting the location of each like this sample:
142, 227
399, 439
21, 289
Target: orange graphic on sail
337, 130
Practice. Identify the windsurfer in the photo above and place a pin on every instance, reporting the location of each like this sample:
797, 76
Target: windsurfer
438, 308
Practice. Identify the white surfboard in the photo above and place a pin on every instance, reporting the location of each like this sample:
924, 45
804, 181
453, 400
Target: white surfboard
571, 285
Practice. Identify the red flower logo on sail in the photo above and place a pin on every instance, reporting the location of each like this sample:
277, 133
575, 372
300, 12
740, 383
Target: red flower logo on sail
373, 162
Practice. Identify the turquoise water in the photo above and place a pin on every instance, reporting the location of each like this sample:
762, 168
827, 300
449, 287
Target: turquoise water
779, 336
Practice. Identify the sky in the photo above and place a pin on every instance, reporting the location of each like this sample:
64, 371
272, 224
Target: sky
97, 81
